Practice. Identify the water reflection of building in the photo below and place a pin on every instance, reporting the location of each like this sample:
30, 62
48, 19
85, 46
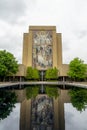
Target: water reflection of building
42, 113
58, 108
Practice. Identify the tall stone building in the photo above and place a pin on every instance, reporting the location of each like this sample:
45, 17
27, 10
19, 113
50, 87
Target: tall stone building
42, 49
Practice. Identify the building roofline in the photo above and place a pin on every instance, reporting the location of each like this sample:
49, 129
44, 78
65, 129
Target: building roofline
42, 28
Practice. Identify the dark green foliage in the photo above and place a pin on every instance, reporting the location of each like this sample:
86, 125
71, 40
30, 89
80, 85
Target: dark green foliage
51, 73
52, 91
78, 98
77, 69
8, 64
32, 92
7, 103
32, 73
29, 74
36, 74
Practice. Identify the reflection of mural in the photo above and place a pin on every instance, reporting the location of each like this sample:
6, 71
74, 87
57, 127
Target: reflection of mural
42, 113
42, 49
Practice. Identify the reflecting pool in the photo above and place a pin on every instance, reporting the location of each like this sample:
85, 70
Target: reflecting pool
54, 108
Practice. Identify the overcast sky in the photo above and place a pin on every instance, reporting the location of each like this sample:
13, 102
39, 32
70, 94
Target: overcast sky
69, 16
75, 120
13, 120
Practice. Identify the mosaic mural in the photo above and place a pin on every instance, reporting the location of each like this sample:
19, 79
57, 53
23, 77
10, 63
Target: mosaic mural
42, 113
42, 49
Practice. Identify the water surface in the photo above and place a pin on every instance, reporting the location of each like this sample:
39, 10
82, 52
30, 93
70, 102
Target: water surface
43, 108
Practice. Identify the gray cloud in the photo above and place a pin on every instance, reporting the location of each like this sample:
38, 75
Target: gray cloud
12, 9
74, 120
16, 50
81, 34
68, 16
12, 122
12, 42
65, 45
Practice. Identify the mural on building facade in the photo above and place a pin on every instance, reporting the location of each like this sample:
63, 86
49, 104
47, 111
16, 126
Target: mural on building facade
42, 49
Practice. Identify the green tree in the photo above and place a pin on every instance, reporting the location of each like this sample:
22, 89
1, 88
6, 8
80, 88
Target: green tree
8, 64
78, 98
32, 73
7, 103
29, 74
77, 69
52, 91
32, 92
51, 73
36, 74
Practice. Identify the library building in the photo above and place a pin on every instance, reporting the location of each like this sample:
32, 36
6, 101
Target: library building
42, 49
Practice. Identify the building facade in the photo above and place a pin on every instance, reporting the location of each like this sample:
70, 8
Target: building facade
42, 49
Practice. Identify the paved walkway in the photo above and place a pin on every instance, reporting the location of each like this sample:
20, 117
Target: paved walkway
77, 84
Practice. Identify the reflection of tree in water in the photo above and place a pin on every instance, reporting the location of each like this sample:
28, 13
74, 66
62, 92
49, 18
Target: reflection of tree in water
7, 102
52, 91
32, 92
78, 98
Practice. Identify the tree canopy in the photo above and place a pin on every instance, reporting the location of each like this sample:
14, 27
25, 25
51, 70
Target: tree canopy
32, 92
77, 69
8, 63
7, 103
32, 73
51, 73
78, 98
52, 91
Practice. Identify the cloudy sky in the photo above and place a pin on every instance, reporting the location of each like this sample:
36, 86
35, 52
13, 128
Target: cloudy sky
75, 120
12, 122
69, 16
